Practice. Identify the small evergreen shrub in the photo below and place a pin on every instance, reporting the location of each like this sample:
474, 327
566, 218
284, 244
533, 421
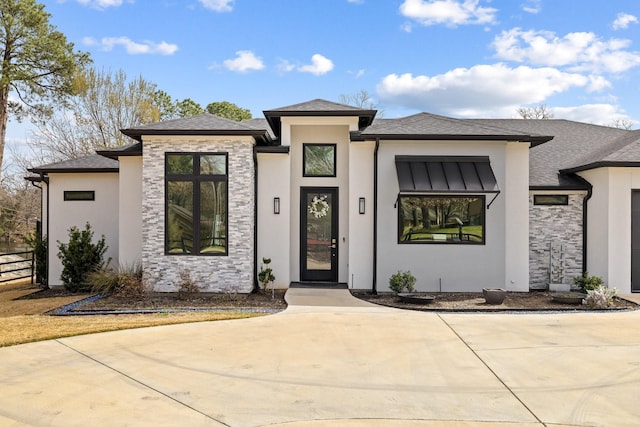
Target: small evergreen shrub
40, 245
600, 297
586, 282
402, 280
265, 276
80, 257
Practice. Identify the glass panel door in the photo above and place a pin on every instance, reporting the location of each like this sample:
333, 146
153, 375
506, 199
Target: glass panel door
319, 234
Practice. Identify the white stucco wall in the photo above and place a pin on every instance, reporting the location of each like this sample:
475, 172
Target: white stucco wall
361, 225
274, 230
102, 213
130, 211
501, 262
609, 224
329, 130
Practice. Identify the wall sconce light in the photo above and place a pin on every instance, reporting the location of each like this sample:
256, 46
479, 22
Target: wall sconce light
361, 205
276, 205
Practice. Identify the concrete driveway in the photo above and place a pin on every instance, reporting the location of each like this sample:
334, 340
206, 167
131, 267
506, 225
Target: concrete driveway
332, 360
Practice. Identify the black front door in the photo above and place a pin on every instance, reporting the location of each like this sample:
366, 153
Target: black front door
319, 234
635, 241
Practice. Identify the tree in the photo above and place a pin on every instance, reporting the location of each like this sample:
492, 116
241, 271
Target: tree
361, 99
229, 110
38, 63
622, 123
105, 102
539, 112
188, 107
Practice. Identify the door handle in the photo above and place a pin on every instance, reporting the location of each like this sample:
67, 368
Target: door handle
332, 246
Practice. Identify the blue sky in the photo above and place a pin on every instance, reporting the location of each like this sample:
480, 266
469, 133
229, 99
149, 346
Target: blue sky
461, 58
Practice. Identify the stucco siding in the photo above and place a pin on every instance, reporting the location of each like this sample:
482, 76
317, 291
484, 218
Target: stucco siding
101, 214
231, 273
130, 211
274, 229
458, 267
555, 240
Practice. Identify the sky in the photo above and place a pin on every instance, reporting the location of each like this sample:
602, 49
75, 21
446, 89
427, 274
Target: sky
459, 58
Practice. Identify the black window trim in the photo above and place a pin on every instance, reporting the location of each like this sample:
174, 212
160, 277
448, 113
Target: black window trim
304, 159
563, 202
90, 193
196, 179
447, 242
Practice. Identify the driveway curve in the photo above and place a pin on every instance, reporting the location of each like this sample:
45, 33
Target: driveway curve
331, 359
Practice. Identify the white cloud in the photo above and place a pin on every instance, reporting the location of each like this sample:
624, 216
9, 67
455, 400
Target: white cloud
218, 5
284, 66
623, 20
482, 90
602, 114
102, 4
131, 47
532, 6
245, 61
447, 12
581, 51
319, 65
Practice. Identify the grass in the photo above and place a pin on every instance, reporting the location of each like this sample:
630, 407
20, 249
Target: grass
23, 321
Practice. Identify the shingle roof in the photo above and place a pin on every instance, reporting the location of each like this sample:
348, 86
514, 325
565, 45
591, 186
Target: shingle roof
318, 107
432, 126
573, 143
93, 163
134, 149
203, 124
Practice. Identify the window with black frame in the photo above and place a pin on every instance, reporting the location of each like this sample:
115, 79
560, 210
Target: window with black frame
319, 160
441, 219
196, 203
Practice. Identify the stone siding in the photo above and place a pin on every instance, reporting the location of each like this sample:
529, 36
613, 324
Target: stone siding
555, 242
231, 273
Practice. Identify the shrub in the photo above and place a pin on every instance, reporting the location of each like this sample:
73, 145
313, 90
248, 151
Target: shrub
40, 246
265, 276
79, 258
188, 286
125, 282
587, 282
600, 297
402, 280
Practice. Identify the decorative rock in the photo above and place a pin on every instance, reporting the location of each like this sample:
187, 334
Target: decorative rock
416, 298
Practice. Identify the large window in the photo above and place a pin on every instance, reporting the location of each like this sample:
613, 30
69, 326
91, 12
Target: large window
441, 219
196, 203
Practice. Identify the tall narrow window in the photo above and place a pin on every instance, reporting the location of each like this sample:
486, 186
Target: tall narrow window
196, 203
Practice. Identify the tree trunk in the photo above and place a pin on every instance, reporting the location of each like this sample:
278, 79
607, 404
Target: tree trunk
4, 100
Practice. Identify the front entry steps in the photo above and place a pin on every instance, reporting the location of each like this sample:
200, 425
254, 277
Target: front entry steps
319, 285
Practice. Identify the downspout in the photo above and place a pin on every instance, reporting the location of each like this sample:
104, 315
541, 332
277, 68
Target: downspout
584, 227
374, 288
256, 286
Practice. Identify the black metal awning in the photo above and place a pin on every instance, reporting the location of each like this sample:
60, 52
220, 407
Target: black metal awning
445, 174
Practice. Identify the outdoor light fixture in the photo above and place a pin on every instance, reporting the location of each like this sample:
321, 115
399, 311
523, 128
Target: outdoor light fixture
361, 205
276, 205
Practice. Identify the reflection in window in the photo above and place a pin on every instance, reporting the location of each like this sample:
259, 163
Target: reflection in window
441, 219
319, 160
196, 204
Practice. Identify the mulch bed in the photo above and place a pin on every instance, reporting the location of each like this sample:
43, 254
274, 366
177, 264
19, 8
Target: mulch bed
470, 301
446, 301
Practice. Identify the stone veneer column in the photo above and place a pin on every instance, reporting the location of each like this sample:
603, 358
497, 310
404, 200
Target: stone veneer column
231, 273
555, 225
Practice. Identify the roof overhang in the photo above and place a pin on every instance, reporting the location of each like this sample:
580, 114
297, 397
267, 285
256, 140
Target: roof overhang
274, 117
533, 140
601, 164
261, 135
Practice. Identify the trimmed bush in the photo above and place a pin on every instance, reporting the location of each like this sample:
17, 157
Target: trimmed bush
588, 282
402, 280
80, 257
